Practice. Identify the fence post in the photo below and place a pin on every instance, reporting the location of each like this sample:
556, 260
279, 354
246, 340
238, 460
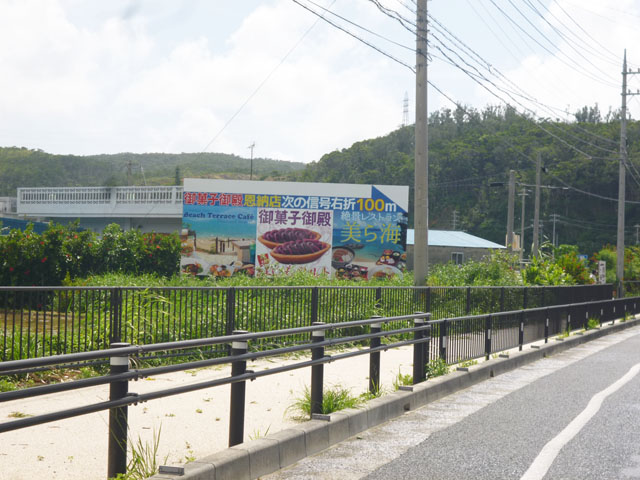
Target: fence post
378, 297
521, 331
374, 358
314, 304
419, 370
525, 298
569, 310
230, 314
613, 316
502, 299
117, 449
426, 345
443, 340
428, 302
238, 391
586, 317
487, 337
468, 306
116, 315
546, 326
317, 371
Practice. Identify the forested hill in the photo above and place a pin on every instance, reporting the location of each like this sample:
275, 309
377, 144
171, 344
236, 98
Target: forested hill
469, 150
21, 167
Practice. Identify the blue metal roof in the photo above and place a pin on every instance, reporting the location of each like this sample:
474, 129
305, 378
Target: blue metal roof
452, 238
7, 224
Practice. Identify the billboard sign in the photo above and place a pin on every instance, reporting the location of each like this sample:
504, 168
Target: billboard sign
233, 227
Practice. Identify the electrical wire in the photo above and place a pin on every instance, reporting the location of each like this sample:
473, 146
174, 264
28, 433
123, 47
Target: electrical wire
577, 68
406, 23
262, 83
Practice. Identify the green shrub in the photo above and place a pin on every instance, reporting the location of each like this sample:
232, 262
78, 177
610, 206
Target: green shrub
334, 398
437, 368
61, 254
495, 269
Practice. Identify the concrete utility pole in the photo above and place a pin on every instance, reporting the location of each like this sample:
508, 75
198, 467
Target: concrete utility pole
536, 214
421, 182
621, 177
510, 207
523, 194
621, 180
637, 227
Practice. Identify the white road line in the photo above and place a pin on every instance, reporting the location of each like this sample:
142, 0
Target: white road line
550, 451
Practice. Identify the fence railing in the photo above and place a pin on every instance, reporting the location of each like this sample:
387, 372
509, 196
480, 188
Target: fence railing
452, 340
42, 321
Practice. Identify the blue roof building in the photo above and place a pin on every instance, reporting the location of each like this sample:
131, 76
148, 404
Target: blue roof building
452, 246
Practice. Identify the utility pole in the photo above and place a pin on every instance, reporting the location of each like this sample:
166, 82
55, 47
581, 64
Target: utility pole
536, 213
454, 220
621, 179
637, 227
421, 182
129, 172
553, 235
253, 144
523, 194
510, 207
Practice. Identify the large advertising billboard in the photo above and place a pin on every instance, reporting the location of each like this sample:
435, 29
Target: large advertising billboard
233, 227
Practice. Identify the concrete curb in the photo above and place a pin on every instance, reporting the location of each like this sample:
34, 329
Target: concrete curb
262, 456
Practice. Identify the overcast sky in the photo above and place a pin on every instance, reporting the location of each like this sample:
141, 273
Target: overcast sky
88, 77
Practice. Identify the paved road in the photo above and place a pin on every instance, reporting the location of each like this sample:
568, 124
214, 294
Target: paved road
575, 415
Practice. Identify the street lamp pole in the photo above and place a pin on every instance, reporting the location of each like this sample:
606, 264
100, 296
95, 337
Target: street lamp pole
253, 144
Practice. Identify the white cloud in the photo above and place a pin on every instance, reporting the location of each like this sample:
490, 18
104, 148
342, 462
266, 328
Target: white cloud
85, 77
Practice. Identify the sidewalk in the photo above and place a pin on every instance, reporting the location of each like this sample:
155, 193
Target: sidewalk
191, 425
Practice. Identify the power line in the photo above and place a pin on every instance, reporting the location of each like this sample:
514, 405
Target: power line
262, 83
578, 66
320, 17
404, 21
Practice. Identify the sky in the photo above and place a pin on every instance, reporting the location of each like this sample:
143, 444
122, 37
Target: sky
85, 77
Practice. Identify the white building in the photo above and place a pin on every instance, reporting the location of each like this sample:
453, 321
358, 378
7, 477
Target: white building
157, 209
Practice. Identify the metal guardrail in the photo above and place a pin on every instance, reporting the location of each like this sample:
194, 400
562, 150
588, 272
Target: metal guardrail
44, 321
455, 340
120, 398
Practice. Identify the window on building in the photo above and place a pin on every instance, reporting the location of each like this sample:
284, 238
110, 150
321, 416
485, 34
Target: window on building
457, 258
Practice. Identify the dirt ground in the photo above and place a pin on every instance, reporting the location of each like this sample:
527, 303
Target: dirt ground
189, 426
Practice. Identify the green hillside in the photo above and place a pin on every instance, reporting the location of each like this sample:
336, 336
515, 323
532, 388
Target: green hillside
470, 149
21, 167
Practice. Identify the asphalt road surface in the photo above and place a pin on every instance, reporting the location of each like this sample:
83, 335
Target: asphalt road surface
575, 415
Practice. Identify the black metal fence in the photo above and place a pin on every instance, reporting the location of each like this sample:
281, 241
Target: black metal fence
451, 340
42, 321
469, 337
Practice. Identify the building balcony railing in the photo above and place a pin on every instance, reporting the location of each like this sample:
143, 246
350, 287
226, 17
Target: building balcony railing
88, 201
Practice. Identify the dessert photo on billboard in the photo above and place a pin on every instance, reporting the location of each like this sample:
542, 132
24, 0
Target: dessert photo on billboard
292, 239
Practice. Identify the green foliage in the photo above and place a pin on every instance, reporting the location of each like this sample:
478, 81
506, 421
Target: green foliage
593, 323
402, 380
436, 368
334, 398
497, 269
575, 268
467, 363
143, 458
7, 385
545, 272
61, 254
